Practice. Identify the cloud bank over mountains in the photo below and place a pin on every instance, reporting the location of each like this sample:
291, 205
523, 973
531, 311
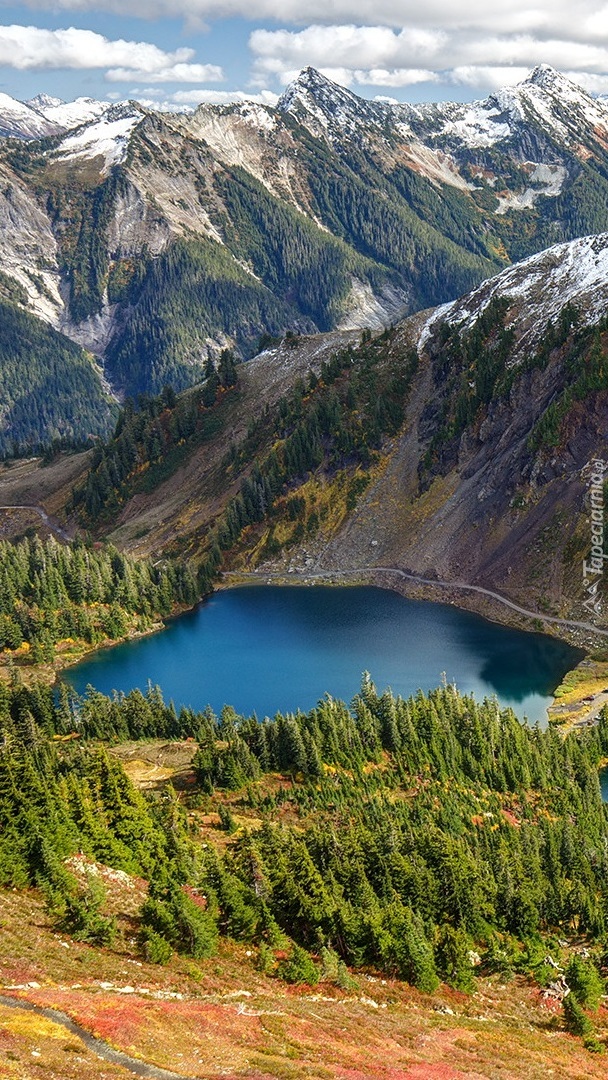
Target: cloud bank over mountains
477, 46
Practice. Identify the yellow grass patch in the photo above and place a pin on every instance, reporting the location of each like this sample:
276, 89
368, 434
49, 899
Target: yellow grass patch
31, 1026
144, 773
585, 681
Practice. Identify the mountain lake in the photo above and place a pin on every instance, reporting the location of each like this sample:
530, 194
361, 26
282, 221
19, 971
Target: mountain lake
264, 649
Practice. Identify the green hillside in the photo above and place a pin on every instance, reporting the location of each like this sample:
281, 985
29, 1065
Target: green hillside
50, 390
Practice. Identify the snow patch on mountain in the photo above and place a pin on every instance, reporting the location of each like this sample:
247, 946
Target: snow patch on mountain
548, 180
259, 116
539, 288
108, 137
478, 127
72, 114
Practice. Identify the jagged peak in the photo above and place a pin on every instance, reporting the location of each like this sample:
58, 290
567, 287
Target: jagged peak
328, 103
310, 78
312, 74
124, 109
555, 83
44, 101
310, 83
544, 75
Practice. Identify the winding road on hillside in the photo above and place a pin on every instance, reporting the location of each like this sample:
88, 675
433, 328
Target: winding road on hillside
321, 575
97, 1046
50, 524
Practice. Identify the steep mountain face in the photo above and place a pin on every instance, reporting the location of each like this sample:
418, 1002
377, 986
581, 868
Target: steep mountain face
457, 446
490, 480
51, 390
156, 240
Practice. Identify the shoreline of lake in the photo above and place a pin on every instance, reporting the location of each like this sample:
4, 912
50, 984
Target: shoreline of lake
322, 630
442, 593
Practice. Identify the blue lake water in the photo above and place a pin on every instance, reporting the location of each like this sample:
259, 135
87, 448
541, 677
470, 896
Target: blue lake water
268, 648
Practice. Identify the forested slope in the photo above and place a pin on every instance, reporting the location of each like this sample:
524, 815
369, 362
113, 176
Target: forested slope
53, 593
434, 838
50, 389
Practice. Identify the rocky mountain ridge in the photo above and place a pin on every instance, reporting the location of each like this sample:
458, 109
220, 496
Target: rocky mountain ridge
537, 290
156, 240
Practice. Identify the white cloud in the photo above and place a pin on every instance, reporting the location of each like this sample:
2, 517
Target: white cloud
544, 16
478, 45
593, 84
487, 78
221, 97
160, 106
396, 77
29, 48
383, 57
187, 73
344, 46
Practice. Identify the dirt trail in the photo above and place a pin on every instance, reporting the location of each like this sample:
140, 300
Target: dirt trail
50, 524
97, 1046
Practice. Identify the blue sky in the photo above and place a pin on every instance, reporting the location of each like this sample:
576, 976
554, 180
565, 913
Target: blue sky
179, 52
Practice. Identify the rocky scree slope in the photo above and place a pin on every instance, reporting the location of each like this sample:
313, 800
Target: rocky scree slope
489, 480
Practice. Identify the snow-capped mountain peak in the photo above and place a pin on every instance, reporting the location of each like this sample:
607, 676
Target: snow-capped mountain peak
544, 75
44, 101
19, 120
322, 104
70, 114
44, 115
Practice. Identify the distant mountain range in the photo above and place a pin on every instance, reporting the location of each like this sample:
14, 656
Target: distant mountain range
155, 240
44, 115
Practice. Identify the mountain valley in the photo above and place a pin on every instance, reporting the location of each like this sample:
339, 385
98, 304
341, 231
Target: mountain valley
336, 341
